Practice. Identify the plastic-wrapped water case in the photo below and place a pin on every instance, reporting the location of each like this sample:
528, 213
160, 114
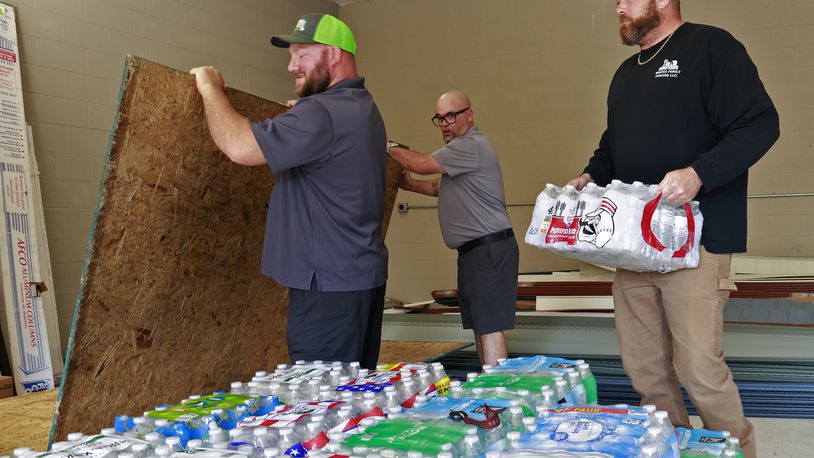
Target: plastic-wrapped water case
598, 431
548, 364
427, 438
703, 443
622, 225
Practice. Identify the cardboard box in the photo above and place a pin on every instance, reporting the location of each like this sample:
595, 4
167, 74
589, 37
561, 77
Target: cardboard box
6, 387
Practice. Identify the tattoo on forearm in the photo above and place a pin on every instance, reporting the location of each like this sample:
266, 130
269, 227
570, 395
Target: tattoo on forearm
435, 188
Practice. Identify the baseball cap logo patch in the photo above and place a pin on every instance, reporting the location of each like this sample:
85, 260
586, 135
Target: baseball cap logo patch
300, 25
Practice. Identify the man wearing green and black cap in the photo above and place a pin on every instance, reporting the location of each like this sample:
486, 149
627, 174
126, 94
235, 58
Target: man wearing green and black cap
323, 231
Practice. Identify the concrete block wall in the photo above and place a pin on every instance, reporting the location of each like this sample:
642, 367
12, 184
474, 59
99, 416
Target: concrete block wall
538, 74
73, 53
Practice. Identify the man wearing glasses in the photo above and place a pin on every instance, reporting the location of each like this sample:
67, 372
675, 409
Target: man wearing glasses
473, 218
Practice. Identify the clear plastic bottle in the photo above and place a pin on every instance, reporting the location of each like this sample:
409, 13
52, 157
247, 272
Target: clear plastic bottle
471, 447
141, 450
514, 419
420, 400
562, 389
353, 369
194, 443
241, 435
21, 451
529, 424
237, 388
438, 371
263, 437
456, 391
577, 388
214, 435
75, 437
649, 451
162, 450
287, 439
471, 376
734, 444
513, 438
313, 389
294, 394
154, 439
174, 443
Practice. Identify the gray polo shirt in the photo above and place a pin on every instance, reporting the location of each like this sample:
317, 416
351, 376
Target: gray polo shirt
325, 214
471, 202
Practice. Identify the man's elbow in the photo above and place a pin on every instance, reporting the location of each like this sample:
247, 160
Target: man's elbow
245, 156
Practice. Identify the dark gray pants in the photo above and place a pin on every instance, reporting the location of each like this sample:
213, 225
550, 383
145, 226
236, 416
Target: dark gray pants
335, 325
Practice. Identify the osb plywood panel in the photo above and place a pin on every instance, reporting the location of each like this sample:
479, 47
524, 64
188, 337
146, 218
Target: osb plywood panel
25, 421
171, 301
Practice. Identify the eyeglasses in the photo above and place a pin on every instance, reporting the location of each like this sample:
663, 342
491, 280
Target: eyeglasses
448, 118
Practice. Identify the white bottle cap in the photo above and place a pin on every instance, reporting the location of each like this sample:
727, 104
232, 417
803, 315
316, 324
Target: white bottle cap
73, 437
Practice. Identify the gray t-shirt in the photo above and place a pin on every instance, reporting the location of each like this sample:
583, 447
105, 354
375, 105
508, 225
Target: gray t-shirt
471, 202
325, 214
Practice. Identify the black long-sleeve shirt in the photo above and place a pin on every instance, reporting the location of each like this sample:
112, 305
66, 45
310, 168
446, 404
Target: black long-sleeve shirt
699, 102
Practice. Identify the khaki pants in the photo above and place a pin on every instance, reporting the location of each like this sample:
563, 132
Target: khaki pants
670, 329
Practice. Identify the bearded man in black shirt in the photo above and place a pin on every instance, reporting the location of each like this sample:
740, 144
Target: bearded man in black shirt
689, 112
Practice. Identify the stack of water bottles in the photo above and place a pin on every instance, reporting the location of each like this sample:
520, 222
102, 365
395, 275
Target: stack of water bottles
621, 225
528, 406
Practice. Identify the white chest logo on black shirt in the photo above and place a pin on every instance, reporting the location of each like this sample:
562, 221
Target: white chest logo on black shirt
669, 69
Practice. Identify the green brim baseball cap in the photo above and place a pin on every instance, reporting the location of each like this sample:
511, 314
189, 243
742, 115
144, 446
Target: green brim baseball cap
318, 28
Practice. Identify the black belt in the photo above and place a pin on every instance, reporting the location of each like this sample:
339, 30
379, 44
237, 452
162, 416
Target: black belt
466, 247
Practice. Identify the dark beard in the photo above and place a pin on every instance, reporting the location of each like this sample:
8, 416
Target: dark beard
315, 83
634, 32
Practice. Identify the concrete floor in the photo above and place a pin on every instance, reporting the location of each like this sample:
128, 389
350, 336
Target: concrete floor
780, 437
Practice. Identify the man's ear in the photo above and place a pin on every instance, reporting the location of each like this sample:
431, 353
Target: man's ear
334, 55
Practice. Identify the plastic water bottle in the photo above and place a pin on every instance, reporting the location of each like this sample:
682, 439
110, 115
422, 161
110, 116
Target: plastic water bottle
194, 443
514, 419
734, 444
213, 436
438, 371
154, 439
561, 389
529, 424
513, 438
75, 437
162, 450
649, 451
140, 450
174, 443
471, 376
588, 380
577, 389
471, 447
287, 438
294, 393
456, 391
237, 388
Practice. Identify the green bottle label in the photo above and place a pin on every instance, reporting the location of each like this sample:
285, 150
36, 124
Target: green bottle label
399, 434
591, 396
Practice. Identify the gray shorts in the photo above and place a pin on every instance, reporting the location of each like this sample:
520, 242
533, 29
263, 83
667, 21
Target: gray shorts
487, 286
